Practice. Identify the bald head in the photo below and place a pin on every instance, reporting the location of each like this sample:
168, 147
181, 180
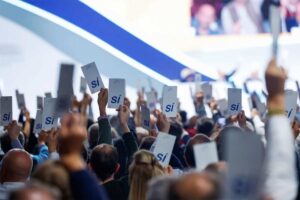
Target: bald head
34, 193
195, 186
16, 166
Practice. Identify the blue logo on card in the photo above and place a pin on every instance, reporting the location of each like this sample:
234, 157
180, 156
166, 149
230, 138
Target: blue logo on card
170, 107
115, 99
49, 120
95, 83
161, 157
288, 113
6, 117
38, 126
235, 107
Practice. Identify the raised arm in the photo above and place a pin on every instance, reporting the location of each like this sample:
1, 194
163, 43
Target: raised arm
71, 136
104, 125
128, 137
280, 167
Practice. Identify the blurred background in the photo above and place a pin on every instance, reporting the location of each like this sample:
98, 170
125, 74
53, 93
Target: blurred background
150, 43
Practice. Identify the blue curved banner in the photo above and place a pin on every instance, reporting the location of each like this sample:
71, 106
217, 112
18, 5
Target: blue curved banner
91, 21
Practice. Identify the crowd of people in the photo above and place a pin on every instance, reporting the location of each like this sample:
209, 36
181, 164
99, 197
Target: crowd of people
241, 16
112, 158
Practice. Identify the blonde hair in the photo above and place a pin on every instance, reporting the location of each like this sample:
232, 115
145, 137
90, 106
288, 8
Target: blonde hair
144, 167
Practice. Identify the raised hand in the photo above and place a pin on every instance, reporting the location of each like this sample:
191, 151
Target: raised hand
124, 114
163, 123
72, 134
42, 138
275, 80
70, 141
242, 119
102, 101
52, 140
13, 130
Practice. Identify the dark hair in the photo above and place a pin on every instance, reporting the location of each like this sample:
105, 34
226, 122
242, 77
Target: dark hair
93, 135
205, 126
147, 142
6, 141
189, 150
176, 130
104, 160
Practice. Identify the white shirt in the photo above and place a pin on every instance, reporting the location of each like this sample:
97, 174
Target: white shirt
280, 177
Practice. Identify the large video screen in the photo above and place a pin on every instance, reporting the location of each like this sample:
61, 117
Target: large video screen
217, 17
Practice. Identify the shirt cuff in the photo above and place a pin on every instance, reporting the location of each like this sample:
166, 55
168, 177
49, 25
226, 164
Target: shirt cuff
16, 144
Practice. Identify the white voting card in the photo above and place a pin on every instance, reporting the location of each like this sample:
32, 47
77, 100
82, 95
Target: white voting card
6, 110
50, 119
39, 102
145, 114
164, 145
92, 77
65, 89
170, 101
234, 101
244, 154
116, 92
83, 83
291, 103
21, 101
205, 154
207, 91
38, 122
223, 107
151, 100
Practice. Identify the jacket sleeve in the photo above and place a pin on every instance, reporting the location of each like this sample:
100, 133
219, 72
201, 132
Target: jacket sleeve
130, 144
84, 186
42, 156
280, 168
104, 131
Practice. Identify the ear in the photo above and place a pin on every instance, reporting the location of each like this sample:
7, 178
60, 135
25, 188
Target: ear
117, 168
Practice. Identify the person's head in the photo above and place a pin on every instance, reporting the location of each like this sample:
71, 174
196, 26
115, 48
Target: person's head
93, 135
205, 126
200, 186
189, 149
176, 129
147, 142
16, 166
159, 187
206, 15
217, 168
143, 168
35, 191
53, 174
104, 161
